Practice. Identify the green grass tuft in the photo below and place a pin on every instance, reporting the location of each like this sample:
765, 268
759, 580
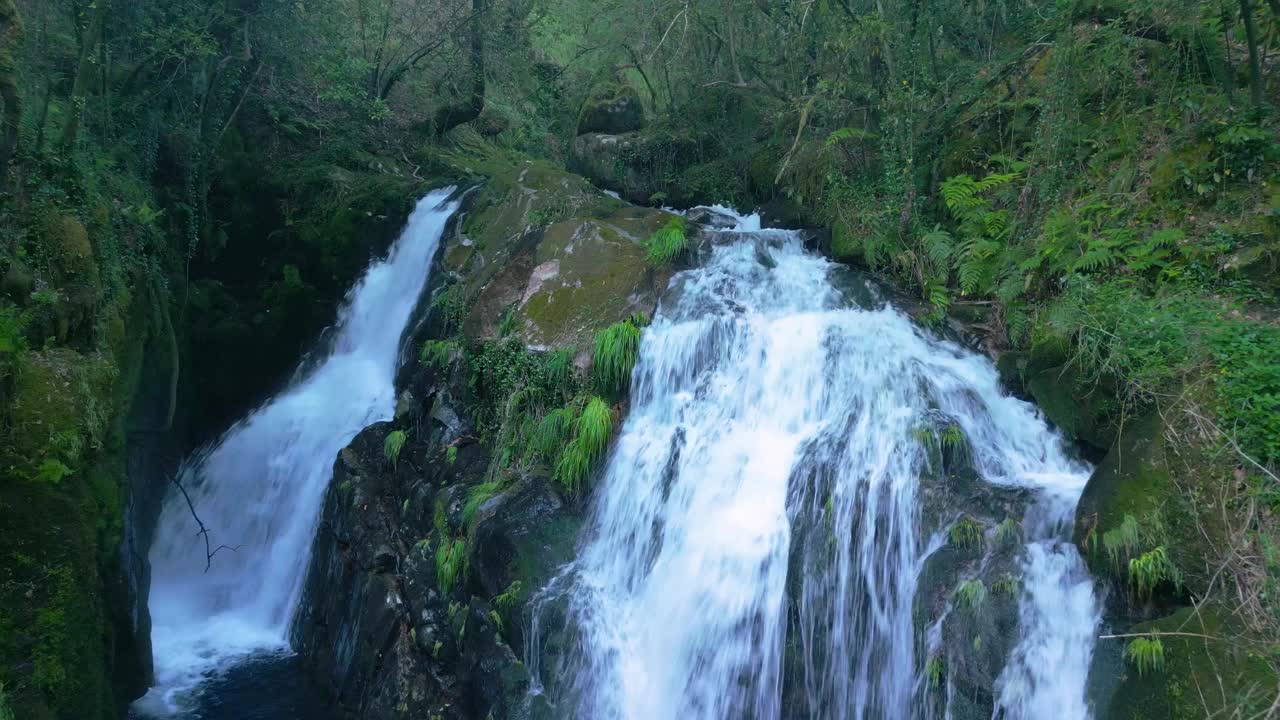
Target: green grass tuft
617, 348
1123, 541
592, 431
451, 561
392, 446
970, 594
669, 242
1006, 584
966, 533
1150, 569
1146, 654
1008, 532
935, 670
476, 497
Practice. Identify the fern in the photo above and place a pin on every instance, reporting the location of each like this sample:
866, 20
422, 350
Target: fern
1122, 540
939, 245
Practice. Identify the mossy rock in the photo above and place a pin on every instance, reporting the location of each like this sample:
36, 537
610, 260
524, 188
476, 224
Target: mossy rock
1082, 411
611, 108
567, 259
1145, 478
69, 247
648, 167
1226, 676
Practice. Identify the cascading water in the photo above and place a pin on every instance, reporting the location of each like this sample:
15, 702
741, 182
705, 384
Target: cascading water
755, 546
259, 488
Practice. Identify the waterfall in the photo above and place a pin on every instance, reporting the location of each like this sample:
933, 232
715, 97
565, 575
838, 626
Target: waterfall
258, 489
758, 533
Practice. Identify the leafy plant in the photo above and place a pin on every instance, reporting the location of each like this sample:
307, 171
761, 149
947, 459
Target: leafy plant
438, 354
451, 455
1008, 532
451, 561
392, 446
52, 471
966, 532
970, 594
476, 497
1122, 541
1006, 584
1146, 654
935, 670
1150, 569
616, 351
669, 242
592, 431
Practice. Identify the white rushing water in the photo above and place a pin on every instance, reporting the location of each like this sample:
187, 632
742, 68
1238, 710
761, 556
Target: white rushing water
260, 486
771, 468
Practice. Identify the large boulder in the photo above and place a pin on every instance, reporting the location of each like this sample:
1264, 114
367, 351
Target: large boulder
611, 108
1210, 667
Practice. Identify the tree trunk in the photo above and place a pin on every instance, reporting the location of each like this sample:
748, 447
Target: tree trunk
89, 35
1255, 65
10, 101
451, 116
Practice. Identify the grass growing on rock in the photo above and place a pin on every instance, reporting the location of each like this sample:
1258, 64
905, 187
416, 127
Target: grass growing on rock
966, 533
1145, 654
592, 431
617, 348
970, 594
669, 242
392, 446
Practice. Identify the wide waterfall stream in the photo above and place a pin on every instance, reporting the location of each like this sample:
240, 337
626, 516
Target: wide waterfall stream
756, 543
258, 490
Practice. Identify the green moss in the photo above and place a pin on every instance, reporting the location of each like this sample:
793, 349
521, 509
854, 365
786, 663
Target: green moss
1211, 669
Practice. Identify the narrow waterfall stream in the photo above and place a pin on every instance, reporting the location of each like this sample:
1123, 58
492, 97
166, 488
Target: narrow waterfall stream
258, 489
759, 533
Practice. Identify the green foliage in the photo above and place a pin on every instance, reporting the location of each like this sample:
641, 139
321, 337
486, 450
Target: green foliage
52, 471
669, 242
451, 563
617, 348
507, 600
392, 446
1145, 654
967, 532
476, 496
553, 432
1008, 532
1123, 541
936, 671
1150, 570
438, 354
451, 306
970, 594
592, 431
451, 455
1006, 585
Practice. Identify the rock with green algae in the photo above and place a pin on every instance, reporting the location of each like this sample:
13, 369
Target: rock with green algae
1052, 378
1213, 669
565, 258
1148, 478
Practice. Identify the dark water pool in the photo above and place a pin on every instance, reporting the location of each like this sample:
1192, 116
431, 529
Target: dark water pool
270, 687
